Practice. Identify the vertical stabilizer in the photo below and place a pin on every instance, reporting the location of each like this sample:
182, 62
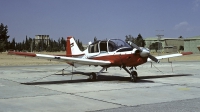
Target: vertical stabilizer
72, 48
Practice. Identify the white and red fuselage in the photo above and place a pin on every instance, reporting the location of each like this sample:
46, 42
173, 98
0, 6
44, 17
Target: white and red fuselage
116, 51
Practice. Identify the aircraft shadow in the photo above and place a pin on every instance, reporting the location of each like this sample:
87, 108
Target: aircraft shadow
77, 72
163, 76
141, 79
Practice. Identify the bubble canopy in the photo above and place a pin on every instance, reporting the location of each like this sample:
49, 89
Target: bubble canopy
109, 46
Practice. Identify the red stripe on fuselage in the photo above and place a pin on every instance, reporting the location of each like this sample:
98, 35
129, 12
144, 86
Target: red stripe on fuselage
126, 59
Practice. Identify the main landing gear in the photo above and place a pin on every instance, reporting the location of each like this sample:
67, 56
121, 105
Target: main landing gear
93, 76
133, 74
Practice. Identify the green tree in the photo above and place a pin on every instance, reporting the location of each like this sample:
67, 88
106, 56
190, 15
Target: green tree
50, 46
12, 45
155, 46
63, 44
181, 48
23, 46
80, 45
19, 46
140, 41
130, 38
30, 45
34, 46
3, 37
26, 44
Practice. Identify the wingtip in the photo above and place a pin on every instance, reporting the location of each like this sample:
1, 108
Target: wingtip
21, 53
186, 53
10, 52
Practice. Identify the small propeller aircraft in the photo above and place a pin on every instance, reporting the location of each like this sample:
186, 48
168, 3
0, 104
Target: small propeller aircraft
104, 53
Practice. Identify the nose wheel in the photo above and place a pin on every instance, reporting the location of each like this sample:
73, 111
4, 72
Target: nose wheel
134, 76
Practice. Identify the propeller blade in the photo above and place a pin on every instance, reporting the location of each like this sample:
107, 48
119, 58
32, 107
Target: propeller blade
134, 45
153, 58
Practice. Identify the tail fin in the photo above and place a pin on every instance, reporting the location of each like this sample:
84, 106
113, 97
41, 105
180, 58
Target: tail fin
72, 48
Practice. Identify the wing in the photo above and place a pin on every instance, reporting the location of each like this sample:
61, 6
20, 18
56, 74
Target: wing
171, 55
62, 58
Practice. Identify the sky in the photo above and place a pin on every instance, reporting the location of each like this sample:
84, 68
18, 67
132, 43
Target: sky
104, 19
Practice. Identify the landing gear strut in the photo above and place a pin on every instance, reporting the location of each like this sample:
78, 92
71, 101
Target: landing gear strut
133, 74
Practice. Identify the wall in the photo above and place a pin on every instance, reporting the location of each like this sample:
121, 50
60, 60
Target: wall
190, 45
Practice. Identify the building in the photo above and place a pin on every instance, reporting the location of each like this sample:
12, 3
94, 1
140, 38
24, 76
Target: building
192, 44
167, 45
43, 38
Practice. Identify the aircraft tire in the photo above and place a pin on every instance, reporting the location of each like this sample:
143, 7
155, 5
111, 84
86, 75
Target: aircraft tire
134, 76
92, 76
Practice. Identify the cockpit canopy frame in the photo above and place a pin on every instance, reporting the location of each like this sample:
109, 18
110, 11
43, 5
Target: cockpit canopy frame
111, 45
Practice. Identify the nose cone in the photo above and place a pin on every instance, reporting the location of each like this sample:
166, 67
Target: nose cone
144, 53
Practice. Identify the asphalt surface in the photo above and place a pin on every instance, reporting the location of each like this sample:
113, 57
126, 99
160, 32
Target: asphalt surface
45, 88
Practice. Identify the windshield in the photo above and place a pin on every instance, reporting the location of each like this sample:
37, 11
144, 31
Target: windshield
115, 44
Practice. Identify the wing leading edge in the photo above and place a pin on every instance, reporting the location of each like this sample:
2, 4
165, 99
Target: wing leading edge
62, 58
171, 55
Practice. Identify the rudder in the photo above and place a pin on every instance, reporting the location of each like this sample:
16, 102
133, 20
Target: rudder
72, 48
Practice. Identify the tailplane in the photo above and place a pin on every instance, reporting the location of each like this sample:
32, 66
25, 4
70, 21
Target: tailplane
72, 48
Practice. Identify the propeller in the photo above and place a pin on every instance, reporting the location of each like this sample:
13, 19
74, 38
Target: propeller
153, 58
144, 52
